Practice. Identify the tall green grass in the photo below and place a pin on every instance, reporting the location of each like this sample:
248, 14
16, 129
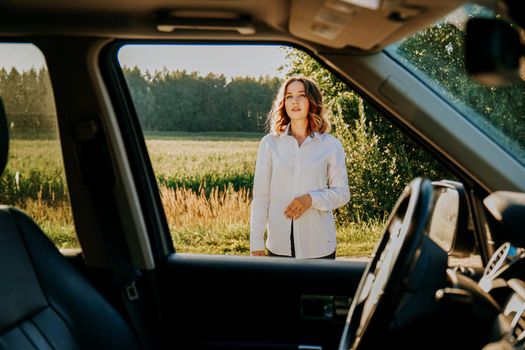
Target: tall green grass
35, 182
218, 223
34, 170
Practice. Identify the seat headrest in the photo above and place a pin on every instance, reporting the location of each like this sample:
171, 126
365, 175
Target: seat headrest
4, 138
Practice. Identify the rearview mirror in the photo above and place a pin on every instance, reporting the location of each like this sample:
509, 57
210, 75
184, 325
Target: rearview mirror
492, 51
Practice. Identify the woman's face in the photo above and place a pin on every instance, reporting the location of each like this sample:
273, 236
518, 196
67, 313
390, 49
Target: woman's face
295, 101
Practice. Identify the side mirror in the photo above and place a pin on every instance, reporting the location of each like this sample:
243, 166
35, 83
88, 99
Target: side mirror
450, 225
492, 51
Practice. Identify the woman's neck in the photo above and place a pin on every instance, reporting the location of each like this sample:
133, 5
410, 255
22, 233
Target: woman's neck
299, 128
299, 131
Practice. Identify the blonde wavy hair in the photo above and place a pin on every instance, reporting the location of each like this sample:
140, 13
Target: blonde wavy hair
278, 119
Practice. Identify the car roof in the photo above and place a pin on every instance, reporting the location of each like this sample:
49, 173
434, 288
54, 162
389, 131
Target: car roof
336, 24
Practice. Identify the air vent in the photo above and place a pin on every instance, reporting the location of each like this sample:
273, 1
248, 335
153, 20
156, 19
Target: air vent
499, 259
518, 330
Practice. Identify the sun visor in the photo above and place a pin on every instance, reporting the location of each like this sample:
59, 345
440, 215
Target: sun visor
362, 24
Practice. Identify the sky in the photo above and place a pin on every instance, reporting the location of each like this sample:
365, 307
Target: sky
229, 60
20, 56
219, 59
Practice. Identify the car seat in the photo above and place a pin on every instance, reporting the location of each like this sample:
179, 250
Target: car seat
45, 303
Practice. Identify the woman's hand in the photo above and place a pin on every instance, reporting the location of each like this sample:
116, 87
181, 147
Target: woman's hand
258, 253
298, 207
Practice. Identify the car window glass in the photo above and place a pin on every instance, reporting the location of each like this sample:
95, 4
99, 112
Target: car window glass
203, 124
435, 55
34, 179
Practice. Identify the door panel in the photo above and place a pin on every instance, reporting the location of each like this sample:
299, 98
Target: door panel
226, 302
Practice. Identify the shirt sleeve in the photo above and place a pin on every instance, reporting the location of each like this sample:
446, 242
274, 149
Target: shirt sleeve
337, 194
261, 196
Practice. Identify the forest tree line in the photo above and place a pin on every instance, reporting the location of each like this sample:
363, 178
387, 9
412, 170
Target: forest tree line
164, 100
28, 100
186, 101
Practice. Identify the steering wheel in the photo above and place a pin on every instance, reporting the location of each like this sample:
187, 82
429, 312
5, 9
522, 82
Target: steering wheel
386, 275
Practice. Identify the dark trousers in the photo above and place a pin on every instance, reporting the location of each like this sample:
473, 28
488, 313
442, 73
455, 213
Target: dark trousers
292, 243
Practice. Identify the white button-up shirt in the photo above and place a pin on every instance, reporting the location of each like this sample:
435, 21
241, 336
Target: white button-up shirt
285, 171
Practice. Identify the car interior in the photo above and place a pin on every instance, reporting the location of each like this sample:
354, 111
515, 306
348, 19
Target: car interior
446, 272
38, 309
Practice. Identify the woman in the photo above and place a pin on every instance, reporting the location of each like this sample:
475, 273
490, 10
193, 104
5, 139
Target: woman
300, 177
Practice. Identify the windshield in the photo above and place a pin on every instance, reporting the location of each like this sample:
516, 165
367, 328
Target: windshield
435, 56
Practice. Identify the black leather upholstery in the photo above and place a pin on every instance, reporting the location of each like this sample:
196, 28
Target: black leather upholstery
45, 303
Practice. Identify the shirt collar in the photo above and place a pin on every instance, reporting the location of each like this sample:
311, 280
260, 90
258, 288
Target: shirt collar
288, 132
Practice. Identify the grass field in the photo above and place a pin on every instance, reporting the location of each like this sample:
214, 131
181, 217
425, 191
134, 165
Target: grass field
204, 179
173, 158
